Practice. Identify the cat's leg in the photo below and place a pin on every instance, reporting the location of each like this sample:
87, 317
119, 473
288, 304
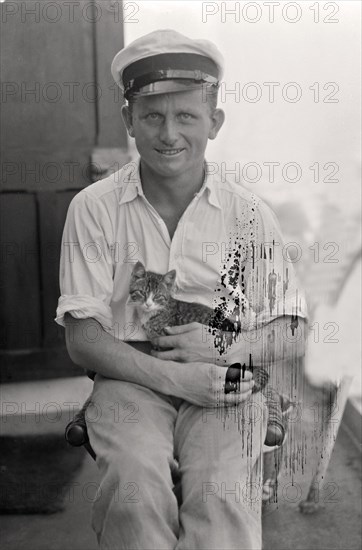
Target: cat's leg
219, 452
131, 430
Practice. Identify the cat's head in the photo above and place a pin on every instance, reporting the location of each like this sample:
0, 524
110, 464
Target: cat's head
150, 291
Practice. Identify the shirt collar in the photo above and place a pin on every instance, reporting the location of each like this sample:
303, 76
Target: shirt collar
133, 186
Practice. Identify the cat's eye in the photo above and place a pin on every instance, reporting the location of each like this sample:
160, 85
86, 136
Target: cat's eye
137, 294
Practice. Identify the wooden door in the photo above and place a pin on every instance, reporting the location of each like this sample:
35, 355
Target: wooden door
59, 109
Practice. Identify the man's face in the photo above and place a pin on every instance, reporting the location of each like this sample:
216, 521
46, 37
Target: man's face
172, 130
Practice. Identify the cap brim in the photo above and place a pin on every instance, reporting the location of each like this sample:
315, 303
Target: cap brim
170, 86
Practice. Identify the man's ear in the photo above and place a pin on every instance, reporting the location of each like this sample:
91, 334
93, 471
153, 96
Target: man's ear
217, 117
127, 119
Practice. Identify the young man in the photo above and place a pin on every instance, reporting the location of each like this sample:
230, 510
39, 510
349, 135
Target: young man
149, 407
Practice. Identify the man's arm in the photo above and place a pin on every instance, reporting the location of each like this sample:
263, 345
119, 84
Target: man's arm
199, 383
282, 338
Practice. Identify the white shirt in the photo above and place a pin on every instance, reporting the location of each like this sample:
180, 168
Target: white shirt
111, 225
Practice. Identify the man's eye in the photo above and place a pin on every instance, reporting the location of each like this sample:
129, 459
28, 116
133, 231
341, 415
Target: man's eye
153, 116
186, 116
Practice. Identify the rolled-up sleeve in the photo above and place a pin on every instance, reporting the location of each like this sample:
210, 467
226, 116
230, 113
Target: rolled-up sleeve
270, 282
86, 266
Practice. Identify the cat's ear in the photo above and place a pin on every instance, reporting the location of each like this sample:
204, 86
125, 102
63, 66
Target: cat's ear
169, 278
138, 271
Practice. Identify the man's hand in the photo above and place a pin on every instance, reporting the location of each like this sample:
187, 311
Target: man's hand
191, 343
281, 339
225, 391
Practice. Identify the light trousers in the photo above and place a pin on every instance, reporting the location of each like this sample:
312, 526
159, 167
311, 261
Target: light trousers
137, 433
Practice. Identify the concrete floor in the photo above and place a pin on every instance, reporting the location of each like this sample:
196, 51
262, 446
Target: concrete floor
336, 526
338, 522
67, 530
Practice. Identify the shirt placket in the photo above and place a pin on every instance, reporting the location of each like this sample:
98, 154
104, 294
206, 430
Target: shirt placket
177, 260
175, 244
162, 228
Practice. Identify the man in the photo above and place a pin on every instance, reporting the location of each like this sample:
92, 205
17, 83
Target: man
149, 407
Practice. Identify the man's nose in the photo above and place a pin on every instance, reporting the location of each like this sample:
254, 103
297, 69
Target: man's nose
168, 133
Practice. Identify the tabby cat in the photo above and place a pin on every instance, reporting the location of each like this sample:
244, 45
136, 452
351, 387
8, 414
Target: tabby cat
151, 292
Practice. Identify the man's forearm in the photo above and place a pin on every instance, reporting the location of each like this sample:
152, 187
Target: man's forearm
115, 359
282, 339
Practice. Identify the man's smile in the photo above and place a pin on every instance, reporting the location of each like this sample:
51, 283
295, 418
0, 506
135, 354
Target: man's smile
169, 152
